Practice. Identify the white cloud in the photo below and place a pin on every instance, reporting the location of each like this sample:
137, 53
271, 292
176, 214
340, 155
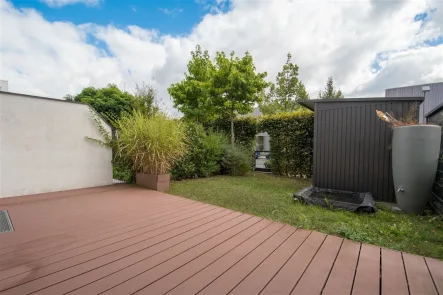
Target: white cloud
342, 39
61, 3
172, 12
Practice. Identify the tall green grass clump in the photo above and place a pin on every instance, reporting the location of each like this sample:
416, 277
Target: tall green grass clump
153, 143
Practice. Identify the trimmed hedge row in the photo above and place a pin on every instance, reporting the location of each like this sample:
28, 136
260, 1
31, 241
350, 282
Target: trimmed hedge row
291, 140
245, 129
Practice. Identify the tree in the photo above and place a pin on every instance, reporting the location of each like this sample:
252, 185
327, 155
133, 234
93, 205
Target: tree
283, 96
109, 102
191, 96
145, 100
235, 86
330, 92
224, 88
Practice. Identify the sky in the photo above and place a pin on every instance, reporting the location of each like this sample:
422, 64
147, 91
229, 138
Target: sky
58, 47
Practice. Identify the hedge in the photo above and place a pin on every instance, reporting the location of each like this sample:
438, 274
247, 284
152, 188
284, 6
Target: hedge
291, 140
245, 129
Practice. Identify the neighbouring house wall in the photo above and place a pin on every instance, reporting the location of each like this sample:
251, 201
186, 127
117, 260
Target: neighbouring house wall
266, 142
352, 146
43, 146
433, 98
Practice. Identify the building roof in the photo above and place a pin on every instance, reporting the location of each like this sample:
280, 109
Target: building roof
415, 85
311, 103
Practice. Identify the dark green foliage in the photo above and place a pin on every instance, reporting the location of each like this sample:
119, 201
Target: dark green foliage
292, 141
330, 91
288, 89
191, 95
227, 87
236, 86
237, 160
245, 129
203, 154
109, 102
123, 172
145, 100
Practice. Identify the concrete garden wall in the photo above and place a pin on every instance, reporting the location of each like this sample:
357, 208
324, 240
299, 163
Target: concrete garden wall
43, 146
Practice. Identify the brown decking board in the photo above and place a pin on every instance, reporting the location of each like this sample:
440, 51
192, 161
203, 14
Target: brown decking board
393, 276
342, 275
53, 248
126, 240
367, 276
130, 238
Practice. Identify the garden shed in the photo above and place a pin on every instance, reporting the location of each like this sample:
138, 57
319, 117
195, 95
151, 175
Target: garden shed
352, 146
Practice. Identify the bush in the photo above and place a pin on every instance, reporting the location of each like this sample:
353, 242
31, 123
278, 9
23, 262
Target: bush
203, 154
292, 142
245, 129
152, 143
122, 169
123, 173
237, 160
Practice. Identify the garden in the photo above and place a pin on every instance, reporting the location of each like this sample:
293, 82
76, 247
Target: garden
209, 151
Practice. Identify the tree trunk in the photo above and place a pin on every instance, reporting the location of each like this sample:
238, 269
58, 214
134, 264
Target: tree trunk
232, 130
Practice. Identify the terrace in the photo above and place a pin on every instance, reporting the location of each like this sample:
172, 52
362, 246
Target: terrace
126, 240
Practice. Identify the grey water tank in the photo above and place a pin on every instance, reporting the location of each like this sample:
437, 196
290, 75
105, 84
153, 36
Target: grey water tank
415, 152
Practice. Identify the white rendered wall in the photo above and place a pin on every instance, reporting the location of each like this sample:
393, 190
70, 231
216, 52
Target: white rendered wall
43, 147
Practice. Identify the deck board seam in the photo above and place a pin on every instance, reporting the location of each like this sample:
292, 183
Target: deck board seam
293, 253
432, 277
332, 267
380, 278
263, 259
307, 266
406, 273
356, 267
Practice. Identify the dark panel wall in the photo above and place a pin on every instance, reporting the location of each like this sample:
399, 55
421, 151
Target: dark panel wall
352, 146
437, 190
433, 97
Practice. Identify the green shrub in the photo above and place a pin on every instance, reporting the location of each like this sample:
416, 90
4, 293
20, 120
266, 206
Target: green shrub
123, 173
237, 160
245, 129
203, 154
291, 140
122, 169
152, 143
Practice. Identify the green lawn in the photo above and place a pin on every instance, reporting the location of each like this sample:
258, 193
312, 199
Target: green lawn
271, 197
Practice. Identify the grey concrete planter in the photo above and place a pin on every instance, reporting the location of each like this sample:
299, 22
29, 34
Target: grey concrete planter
415, 151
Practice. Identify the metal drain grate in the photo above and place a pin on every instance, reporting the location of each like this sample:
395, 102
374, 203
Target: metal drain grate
5, 222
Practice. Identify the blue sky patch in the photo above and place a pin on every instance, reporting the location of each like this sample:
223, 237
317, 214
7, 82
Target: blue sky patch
421, 17
174, 17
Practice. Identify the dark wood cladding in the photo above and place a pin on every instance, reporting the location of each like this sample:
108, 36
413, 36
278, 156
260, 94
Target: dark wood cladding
436, 117
352, 147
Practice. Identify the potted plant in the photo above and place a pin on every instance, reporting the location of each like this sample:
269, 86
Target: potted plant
415, 153
154, 144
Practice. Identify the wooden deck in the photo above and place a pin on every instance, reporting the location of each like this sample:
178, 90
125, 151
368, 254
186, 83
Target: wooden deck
124, 240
